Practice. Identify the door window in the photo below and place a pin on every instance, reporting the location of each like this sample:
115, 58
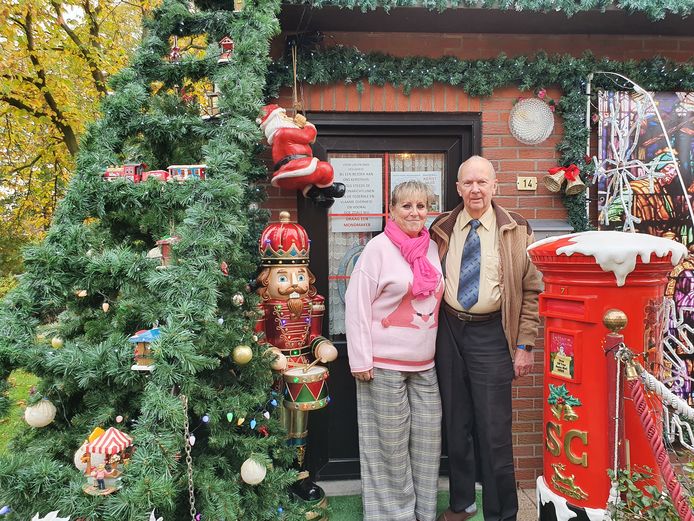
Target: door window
362, 213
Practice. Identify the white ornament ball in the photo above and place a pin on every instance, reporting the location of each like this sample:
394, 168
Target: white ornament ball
220, 321
242, 355
41, 414
252, 472
105, 306
238, 299
57, 342
279, 363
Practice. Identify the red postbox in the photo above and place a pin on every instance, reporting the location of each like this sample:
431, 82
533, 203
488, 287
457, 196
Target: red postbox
585, 275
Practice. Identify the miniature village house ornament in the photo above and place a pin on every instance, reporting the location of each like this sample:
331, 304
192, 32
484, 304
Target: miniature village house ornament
144, 360
162, 251
227, 45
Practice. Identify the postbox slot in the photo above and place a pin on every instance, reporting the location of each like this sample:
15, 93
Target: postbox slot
571, 307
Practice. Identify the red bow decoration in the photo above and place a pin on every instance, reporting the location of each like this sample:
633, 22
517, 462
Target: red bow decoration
571, 172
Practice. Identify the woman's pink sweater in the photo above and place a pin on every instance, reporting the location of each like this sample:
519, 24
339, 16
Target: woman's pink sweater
386, 326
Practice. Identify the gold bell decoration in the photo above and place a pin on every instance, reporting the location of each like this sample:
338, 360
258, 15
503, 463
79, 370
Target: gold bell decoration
571, 174
574, 184
555, 178
569, 413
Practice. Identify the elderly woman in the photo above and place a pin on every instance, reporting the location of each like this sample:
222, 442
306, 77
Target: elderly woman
392, 304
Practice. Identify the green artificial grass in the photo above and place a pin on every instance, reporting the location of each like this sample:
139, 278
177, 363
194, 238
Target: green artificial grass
348, 508
20, 382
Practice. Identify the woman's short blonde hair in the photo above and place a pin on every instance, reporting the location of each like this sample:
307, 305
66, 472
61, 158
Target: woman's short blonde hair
411, 189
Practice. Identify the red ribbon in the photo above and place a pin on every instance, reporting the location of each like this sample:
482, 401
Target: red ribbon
571, 172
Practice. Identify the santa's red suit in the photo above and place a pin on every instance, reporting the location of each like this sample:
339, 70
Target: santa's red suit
294, 167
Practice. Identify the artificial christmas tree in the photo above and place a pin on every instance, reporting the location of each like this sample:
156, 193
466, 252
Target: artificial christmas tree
187, 453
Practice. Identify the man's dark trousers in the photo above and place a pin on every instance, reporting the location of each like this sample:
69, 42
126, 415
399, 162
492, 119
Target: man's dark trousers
475, 373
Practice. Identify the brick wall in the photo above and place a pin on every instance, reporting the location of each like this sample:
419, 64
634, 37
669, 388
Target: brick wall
510, 157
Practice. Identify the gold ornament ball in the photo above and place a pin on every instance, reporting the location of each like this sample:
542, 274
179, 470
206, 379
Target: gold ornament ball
41, 338
57, 342
252, 472
105, 306
81, 293
615, 320
242, 355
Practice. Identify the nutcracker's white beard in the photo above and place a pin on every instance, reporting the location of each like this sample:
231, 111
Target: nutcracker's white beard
275, 123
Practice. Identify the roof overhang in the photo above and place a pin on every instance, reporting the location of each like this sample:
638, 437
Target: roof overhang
301, 18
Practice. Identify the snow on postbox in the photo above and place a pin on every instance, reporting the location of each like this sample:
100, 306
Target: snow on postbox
585, 275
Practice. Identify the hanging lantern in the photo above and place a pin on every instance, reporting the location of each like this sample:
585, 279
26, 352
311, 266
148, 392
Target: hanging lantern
252, 472
40, 414
211, 109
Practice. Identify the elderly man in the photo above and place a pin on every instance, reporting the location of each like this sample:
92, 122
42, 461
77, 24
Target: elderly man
487, 329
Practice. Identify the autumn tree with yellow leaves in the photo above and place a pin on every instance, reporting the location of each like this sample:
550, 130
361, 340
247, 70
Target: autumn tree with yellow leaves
57, 56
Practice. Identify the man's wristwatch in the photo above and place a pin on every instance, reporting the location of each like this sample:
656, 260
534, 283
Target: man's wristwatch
523, 347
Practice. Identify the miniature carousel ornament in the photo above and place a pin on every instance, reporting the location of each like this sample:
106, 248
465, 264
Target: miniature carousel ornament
291, 316
104, 478
295, 168
144, 360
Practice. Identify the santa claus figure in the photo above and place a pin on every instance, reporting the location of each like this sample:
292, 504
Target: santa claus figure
295, 168
289, 322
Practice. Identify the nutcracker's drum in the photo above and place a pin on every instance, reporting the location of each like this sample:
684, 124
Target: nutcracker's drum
306, 389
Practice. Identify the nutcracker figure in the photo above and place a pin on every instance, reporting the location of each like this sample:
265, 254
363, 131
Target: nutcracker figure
295, 168
289, 322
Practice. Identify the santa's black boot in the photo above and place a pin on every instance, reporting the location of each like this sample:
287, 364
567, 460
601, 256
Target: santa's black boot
319, 198
336, 190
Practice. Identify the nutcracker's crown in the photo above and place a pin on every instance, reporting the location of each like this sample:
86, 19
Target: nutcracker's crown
284, 243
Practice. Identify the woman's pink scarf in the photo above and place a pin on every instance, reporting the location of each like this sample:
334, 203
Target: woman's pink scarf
414, 250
